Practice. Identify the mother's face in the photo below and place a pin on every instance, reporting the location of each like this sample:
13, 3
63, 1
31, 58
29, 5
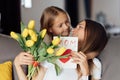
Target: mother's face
79, 31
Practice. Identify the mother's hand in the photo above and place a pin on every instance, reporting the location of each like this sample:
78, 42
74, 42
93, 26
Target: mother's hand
23, 58
81, 59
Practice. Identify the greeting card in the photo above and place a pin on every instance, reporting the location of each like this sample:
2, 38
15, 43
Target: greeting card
71, 43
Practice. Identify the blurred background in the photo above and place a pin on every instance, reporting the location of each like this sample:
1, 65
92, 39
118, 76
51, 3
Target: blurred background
107, 12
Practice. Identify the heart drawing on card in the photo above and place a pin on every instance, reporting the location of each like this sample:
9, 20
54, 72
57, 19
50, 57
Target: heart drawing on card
64, 60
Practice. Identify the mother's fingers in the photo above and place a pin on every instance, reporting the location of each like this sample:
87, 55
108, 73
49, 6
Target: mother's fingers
83, 54
26, 63
24, 58
26, 54
79, 55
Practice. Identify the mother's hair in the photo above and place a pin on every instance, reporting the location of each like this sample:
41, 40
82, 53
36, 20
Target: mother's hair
95, 37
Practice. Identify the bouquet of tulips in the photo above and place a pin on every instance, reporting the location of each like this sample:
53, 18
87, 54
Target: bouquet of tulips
32, 41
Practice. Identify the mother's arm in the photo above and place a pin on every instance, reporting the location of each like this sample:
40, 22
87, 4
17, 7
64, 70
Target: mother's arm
22, 59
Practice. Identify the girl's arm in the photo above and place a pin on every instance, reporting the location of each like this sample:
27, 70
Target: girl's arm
22, 59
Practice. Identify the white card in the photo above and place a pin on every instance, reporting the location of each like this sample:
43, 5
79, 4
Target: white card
69, 43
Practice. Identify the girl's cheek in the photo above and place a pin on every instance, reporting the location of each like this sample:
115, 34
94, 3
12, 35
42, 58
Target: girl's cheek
72, 31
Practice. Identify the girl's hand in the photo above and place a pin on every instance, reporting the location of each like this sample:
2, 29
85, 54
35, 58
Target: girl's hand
81, 59
23, 58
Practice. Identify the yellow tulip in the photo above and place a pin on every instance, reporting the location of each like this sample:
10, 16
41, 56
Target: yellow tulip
29, 43
50, 50
14, 35
43, 32
31, 32
31, 24
25, 33
60, 51
34, 37
56, 41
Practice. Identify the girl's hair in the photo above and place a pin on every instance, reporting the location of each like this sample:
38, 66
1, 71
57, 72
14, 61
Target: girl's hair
48, 17
95, 37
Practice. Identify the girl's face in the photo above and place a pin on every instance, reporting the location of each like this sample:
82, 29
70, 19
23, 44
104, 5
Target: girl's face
79, 31
61, 25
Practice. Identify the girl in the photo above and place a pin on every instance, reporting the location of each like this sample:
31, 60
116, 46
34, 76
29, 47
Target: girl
56, 21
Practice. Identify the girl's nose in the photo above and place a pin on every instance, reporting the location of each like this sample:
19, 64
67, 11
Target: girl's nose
66, 26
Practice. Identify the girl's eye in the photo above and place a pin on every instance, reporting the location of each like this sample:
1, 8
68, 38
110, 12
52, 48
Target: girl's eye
67, 23
60, 25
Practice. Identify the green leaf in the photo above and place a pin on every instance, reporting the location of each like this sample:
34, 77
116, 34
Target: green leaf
22, 42
22, 26
58, 69
38, 43
35, 53
42, 51
41, 59
52, 59
43, 44
56, 46
29, 69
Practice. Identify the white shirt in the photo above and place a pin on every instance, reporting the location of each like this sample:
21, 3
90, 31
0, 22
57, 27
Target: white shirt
71, 74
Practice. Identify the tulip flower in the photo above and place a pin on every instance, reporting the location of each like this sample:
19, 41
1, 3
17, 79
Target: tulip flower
31, 32
29, 43
34, 37
56, 41
14, 35
60, 51
25, 33
43, 32
31, 24
50, 50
